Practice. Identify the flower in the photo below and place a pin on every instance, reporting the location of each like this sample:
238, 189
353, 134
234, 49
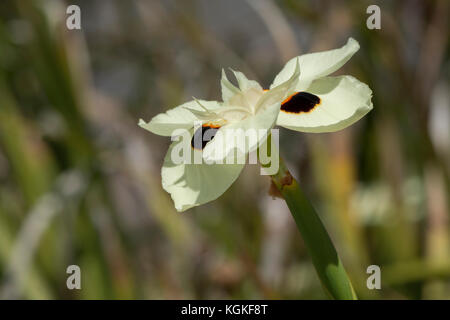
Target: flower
302, 97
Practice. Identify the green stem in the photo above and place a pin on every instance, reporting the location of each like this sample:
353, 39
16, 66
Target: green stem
318, 243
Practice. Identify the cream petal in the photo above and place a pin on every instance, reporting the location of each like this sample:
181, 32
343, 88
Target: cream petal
280, 92
316, 65
191, 185
229, 90
244, 83
165, 123
245, 135
343, 101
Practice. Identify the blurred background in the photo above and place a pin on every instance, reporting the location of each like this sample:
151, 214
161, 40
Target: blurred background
80, 182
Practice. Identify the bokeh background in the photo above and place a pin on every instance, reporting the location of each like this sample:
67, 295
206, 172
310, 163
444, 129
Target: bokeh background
80, 181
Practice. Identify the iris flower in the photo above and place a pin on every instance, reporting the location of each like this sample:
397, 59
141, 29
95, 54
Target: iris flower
302, 97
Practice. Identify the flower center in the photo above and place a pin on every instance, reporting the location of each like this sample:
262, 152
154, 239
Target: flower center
242, 105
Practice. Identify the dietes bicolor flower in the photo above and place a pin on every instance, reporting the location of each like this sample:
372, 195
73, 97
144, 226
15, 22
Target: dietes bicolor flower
302, 97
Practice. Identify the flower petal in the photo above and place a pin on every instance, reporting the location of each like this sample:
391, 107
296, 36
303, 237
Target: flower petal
280, 92
165, 123
228, 89
316, 65
191, 185
343, 101
252, 132
244, 83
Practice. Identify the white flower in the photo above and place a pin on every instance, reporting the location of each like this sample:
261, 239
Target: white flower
302, 97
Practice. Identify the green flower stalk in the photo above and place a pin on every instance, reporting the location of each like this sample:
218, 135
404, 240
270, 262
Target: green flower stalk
318, 243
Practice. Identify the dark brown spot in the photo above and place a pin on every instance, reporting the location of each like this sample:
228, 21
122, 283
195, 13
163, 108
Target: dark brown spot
300, 102
203, 135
